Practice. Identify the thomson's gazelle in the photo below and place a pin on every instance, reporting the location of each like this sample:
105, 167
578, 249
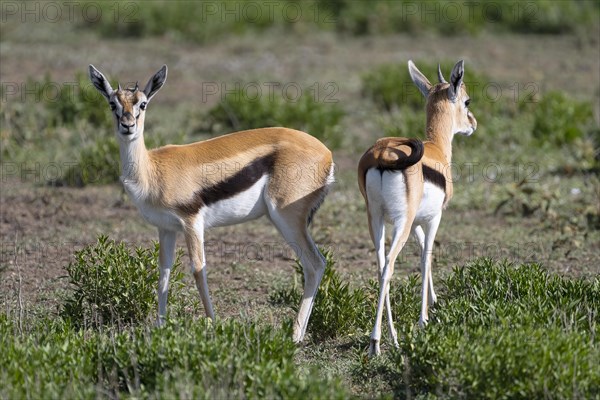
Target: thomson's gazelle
407, 183
278, 172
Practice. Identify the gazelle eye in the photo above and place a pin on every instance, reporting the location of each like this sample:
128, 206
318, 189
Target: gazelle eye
112, 105
467, 102
143, 106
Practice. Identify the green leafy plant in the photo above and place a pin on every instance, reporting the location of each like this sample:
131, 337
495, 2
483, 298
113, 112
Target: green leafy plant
239, 111
500, 331
99, 162
182, 20
224, 359
71, 102
382, 17
338, 309
113, 285
235, 17
196, 359
561, 120
390, 86
525, 199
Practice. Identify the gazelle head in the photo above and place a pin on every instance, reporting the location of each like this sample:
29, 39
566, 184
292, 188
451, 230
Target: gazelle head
128, 105
447, 99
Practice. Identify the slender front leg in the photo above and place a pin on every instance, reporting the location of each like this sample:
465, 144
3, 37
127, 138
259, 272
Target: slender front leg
166, 257
430, 232
194, 237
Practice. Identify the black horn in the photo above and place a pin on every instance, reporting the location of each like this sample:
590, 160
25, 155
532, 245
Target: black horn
440, 76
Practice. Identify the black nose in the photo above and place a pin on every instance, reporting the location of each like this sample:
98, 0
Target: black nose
127, 126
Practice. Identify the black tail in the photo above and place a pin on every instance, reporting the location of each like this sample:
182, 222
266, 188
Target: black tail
392, 158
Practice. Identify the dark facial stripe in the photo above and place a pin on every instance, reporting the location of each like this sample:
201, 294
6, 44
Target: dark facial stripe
235, 184
434, 176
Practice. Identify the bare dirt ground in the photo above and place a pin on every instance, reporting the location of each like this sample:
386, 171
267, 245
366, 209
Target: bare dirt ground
41, 226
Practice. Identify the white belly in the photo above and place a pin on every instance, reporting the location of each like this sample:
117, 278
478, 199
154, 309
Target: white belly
431, 203
247, 205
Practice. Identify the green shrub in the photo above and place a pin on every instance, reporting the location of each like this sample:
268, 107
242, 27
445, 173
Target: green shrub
199, 22
23, 130
561, 120
389, 86
453, 18
500, 362
211, 20
50, 361
111, 285
499, 331
99, 162
195, 359
526, 199
74, 102
405, 123
527, 294
49, 113
239, 111
550, 17
338, 309
221, 360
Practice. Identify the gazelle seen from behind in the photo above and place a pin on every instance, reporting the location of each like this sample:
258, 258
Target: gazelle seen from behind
407, 183
278, 172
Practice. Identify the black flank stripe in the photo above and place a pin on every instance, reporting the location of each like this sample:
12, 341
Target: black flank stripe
235, 184
434, 176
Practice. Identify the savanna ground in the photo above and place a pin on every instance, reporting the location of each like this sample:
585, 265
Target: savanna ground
524, 191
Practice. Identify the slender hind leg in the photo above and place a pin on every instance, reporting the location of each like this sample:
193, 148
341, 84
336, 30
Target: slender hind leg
377, 230
420, 237
430, 231
294, 230
400, 235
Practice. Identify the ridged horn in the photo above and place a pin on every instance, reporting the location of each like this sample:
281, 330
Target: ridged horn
440, 76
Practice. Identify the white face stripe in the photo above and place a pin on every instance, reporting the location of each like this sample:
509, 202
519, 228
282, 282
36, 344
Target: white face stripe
118, 107
126, 100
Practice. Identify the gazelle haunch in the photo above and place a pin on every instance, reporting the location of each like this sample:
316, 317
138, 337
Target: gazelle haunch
278, 172
407, 183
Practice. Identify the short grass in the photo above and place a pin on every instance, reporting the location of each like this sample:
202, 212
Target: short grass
499, 331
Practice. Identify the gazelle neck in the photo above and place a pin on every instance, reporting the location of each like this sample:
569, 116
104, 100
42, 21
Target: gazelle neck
135, 169
439, 130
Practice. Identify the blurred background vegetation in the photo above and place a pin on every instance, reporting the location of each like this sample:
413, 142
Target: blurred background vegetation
558, 118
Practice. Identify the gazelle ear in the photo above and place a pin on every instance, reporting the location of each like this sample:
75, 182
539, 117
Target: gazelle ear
156, 82
100, 82
419, 79
456, 78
